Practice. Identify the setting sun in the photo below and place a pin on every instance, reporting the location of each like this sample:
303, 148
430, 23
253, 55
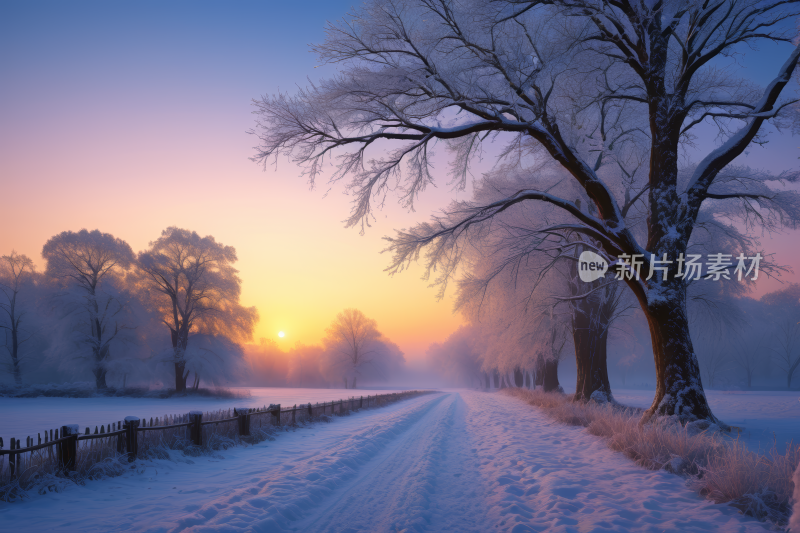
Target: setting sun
281, 334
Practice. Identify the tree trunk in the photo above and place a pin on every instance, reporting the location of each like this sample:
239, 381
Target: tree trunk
679, 389
353, 385
100, 378
519, 379
345, 383
15, 352
591, 318
180, 377
550, 376
590, 338
539, 373
100, 354
180, 362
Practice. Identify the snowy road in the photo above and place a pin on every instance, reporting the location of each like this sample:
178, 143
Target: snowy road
458, 461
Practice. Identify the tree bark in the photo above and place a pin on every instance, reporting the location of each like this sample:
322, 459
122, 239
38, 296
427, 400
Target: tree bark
590, 337
15, 351
591, 318
539, 373
519, 380
180, 362
100, 378
99, 353
354, 383
180, 377
550, 376
679, 389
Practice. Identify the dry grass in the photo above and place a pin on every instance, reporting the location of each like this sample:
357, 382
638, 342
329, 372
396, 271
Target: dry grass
715, 465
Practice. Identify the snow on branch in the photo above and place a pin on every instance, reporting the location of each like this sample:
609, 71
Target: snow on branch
416, 73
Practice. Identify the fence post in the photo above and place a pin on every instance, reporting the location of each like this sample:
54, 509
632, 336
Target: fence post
243, 414
310, 412
120, 439
294, 412
12, 459
362, 403
131, 425
68, 449
196, 429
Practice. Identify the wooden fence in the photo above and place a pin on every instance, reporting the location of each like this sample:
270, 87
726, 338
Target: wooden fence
66, 450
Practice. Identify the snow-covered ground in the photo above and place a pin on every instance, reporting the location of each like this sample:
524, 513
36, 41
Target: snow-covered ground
25, 417
462, 461
764, 415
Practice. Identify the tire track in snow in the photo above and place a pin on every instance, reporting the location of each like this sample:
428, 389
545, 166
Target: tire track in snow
417, 484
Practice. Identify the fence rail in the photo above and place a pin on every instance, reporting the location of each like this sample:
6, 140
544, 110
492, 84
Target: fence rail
66, 450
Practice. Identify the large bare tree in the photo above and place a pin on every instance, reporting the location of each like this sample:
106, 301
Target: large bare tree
83, 261
565, 79
193, 286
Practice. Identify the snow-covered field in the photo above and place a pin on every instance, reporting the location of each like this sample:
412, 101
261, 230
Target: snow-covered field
23, 417
458, 461
764, 415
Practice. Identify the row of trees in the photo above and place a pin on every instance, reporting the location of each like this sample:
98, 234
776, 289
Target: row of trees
353, 351
100, 307
757, 343
598, 105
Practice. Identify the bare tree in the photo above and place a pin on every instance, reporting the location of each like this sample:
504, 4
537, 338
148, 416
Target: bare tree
84, 261
713, 364
191, 283
749, 357
787, 352
458, 358
626, 363
353, 340
546, 76
15, 273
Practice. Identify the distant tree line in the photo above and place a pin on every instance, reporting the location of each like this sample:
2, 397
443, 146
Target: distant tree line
755, 343
170, 313
353, 351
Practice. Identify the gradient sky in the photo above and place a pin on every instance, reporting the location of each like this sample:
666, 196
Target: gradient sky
130, 117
